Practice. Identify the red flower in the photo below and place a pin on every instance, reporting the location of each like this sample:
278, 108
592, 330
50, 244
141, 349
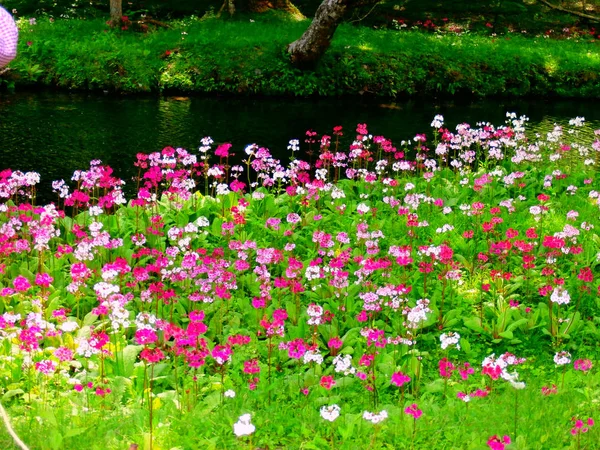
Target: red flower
327, 381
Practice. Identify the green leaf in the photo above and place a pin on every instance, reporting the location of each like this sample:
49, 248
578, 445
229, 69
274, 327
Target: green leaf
130, 354
506, 334
13, 392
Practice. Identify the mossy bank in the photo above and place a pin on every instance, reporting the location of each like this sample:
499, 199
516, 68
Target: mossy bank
248, 57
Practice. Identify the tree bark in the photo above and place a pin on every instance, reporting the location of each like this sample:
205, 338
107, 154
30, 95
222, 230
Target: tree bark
116, 12
306, 51
568, 11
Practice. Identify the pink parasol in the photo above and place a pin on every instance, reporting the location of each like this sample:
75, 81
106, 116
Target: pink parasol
9, 35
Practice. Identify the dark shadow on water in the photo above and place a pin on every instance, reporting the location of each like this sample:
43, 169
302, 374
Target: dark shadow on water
56, 133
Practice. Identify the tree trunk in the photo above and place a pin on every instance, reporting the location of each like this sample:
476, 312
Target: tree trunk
116, 12
306, 51
261, 6
569, 11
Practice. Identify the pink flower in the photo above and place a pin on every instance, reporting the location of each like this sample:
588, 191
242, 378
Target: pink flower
495, 443
466, 371
251, 366
327, 381
21, 283
580, 427
152, 355
582, 364
413, 410
399, 379
335, 343
47, 366
446, 368
63, 354
43, 279
145, 337
546, 391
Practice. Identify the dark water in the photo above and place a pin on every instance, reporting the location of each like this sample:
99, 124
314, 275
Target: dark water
57, 133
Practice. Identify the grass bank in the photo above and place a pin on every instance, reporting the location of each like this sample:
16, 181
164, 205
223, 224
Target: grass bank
248, 57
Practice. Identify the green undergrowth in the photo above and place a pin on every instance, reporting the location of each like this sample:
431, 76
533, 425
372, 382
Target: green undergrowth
248, 57
542, 423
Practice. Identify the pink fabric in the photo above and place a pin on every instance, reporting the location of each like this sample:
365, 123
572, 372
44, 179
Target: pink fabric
9, 35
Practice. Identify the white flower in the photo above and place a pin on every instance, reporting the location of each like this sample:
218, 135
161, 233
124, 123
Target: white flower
343, 363
577, 121
230, 393
535, 210
560, 296
448, 339
375, 418
562, 358
330, 412
513, 378
69, 326
312, 356
243, 427
362, 208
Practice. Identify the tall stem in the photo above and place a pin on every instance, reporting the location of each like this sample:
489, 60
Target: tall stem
150, 406
516, 411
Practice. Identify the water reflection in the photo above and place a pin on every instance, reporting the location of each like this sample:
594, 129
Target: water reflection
57, 133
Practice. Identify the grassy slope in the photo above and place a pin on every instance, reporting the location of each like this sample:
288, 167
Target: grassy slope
249, 57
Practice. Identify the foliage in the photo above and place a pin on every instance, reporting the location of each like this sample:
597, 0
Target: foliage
442, 292
247, 57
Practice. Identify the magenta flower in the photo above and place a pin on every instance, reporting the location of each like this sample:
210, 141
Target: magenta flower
21, 283
496, 443
413, 410
43, 280
582, 364
446, 368
47, 366
546, 391
327, 382
335, 343
399, 379
145, 337
152, 355
581, 427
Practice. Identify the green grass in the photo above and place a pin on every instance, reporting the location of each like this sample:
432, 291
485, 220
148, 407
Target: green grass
248, 57
543, 423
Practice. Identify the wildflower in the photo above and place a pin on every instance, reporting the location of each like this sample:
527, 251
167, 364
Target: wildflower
496, 443
582, 364
21, 283
330, 413
47, 366
145, 336
335, 343
560, 296
399, 379
446, 368
413, 410
580, 427
343, 364
448, 339
327, 381
546, 391
464, 397
562, 358
243, 427
375, 418
466, 371
229, 393
152, 355
43, 279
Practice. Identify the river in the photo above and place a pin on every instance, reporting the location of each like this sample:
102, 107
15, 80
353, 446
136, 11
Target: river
55, 133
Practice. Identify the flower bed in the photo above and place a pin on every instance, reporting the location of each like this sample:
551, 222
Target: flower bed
337, 304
